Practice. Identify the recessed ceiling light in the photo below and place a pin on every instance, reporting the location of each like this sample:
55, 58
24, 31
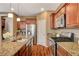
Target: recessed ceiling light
12, 9
42, 9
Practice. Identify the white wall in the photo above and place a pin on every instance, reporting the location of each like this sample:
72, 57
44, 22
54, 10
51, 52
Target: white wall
41, 32
9, 25
41, 29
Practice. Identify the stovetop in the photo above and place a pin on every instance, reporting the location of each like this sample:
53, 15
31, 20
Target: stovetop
62, 39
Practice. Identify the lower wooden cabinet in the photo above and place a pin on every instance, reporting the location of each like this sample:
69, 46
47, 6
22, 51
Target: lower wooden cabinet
24, 51
62, 52
21, 52
16, 54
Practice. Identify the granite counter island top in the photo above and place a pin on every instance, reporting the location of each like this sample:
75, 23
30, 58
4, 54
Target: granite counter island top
8, 48
71, 47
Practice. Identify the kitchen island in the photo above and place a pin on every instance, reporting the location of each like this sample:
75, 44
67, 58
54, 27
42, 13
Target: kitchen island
10, 48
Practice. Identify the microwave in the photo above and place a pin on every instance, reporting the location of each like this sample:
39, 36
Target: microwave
60, 21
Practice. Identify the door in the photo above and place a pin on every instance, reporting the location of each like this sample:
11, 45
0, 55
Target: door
71, 15
41, 32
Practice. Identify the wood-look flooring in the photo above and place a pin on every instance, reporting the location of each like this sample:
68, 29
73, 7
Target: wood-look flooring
39, 50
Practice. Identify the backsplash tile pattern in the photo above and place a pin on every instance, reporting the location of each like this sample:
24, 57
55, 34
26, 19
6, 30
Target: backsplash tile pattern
75, 31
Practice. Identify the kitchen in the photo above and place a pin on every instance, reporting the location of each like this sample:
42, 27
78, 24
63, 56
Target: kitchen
57, 30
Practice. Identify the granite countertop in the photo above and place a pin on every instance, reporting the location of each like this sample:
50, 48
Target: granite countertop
71, 47
8, 48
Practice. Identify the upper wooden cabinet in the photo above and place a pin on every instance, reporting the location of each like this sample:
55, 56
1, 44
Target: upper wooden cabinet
71, 10
78, 16
60, 12
52, 21
71, 15
58, 18
30, 21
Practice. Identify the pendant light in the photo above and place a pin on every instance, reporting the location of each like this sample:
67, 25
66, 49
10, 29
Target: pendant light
10, 14
18, 19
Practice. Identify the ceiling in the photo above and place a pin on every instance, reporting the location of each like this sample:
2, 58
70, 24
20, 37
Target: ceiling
28, 9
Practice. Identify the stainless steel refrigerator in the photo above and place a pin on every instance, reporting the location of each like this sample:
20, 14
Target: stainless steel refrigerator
31, 31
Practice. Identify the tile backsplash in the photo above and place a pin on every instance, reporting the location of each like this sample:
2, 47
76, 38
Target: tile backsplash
75, 31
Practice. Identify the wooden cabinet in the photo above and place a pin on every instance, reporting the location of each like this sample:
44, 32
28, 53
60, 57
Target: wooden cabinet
62, 52
58, 15
60, 12
71, 15
30, 21
52, 21
78, 16
22, 51
26, 49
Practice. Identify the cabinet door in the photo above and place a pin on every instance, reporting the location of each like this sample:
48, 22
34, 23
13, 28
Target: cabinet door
62, 52
16, 54
52, 21
68, 54
62, 11
78, 16
22, 51
71, 15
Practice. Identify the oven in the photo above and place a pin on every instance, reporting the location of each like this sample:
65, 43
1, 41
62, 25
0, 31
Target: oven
52, 44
